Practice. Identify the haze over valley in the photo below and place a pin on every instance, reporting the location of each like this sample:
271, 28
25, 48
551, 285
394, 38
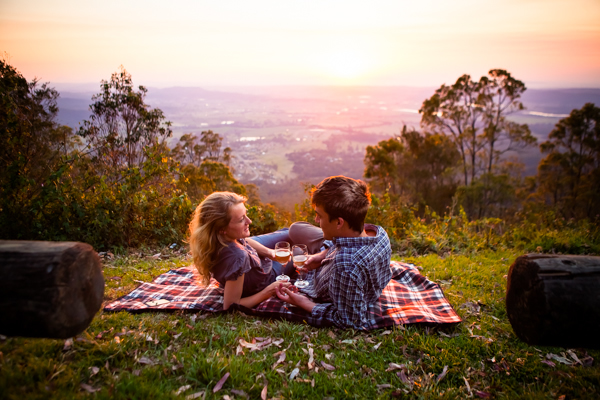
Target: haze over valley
284, 136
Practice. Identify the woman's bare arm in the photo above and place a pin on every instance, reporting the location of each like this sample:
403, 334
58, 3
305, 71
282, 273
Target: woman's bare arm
262, 251
234, 289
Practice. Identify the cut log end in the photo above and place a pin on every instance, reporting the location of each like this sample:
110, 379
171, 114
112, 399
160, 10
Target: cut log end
48, 289
555, 300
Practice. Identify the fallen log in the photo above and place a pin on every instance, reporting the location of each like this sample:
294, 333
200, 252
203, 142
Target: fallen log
554, 300
48, 289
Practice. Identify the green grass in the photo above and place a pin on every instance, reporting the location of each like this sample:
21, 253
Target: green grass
198, 350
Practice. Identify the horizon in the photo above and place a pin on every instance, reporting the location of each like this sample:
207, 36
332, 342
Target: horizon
545, 44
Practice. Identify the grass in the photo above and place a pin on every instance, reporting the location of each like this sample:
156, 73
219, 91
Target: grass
153, 355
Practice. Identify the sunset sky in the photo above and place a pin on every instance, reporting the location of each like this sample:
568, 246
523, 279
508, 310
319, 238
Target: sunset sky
545, 43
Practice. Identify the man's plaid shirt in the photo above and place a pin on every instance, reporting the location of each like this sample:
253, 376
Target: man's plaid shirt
352, 276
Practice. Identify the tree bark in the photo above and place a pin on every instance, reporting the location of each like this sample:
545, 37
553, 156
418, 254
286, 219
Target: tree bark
555, 300
48, 289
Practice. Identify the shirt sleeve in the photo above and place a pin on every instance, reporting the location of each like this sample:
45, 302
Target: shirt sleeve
348, 307
232, 264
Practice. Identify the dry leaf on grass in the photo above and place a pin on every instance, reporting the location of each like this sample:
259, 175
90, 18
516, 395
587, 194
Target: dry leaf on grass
377, 346
146, 361
89, 388
311, 358
194, 395
182, 389
219, 384
468, 386
394, 366
280, 360
239, 350
239, 393
68, 344
331, 334
327, 366
263, 393
136, 372
563, 360
294, 373
94, 371
443, 374
384, 386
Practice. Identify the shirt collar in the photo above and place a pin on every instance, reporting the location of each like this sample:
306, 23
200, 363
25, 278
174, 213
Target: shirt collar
359, 241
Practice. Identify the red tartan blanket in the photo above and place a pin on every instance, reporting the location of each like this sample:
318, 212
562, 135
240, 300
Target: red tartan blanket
409, 298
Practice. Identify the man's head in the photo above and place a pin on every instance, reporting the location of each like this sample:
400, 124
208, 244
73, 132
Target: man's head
341, 198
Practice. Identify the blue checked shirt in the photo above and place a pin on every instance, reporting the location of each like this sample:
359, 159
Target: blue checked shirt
351, 277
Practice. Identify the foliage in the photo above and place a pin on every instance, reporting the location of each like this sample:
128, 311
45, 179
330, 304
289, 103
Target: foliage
415, 167
192, 149
474, 115
32, 150
122, 186
454, 233
500, 194
153, 355
569, 176
304, 211
267, 218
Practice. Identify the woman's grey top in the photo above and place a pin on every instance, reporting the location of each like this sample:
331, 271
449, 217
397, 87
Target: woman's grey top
238, 259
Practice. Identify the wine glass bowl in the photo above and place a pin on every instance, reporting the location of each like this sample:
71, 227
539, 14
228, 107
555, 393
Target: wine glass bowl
282, 256
299, 257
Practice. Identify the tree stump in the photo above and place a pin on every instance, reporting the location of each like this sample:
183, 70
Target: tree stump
48, 289
554, 300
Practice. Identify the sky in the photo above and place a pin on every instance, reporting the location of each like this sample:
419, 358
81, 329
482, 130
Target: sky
544, 43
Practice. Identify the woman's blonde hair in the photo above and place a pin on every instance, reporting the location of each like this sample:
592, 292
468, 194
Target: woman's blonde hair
206, 229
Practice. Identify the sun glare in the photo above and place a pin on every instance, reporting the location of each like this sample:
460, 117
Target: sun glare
346, 65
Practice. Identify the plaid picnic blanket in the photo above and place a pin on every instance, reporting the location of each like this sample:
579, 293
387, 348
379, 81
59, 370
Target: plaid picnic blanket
409, 298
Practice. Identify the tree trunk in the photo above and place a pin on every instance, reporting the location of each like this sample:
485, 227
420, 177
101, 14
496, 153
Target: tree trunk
48, 289
555, 300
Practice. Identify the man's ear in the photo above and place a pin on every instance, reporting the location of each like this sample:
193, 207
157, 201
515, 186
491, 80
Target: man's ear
340, 223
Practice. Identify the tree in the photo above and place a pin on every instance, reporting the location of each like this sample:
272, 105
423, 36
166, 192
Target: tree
501, 94
123, 128
569, 175
475, 114
192, 149
32, 147
417, 168
458, 111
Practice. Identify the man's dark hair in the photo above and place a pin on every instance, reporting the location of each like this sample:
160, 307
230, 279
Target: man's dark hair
343, 197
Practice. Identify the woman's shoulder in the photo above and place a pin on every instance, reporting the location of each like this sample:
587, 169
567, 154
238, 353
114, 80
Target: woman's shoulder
232, 261
233, 250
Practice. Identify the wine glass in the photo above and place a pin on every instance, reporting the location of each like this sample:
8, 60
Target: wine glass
300, 255
282, 256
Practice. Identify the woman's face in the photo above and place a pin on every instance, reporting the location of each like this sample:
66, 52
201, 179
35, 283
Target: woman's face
239, 225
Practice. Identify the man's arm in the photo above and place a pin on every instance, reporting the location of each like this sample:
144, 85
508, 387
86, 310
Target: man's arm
348, 307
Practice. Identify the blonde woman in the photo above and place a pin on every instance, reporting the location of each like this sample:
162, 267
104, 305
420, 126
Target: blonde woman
222, 249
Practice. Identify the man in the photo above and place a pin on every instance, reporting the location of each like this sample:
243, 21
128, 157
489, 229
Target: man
354, 265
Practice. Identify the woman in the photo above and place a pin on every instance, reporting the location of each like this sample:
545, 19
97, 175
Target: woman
221, 248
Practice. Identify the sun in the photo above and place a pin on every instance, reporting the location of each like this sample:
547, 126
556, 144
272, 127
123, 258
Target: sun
346, 64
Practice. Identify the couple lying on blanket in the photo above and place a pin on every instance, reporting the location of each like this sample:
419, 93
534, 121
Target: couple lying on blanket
348, 268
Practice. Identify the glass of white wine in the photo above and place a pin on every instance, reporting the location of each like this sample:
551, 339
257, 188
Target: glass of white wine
282, 256
300, 255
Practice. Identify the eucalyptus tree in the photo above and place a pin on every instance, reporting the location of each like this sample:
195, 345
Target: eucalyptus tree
123, 131
569, 175
475, 115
